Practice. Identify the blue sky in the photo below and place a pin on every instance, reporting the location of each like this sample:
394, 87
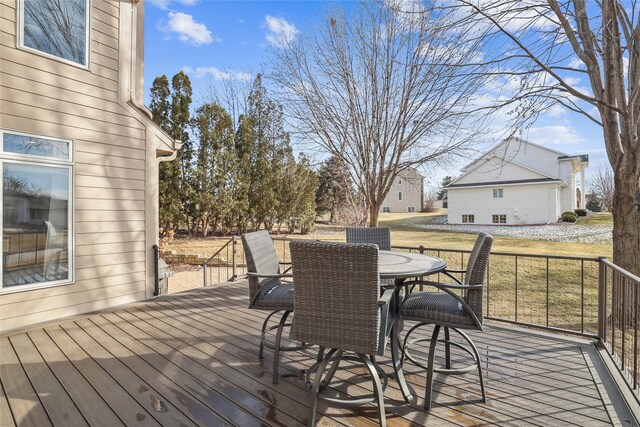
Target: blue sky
213, 39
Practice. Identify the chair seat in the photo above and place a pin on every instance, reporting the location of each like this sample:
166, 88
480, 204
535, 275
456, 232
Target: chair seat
275, 295
436, 307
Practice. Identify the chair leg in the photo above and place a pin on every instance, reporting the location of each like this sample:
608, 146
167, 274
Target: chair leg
263, 333
403, 349
333, 369
447, 348
320, 354
276, 346
476, 354
432, 356
377, 387
315, 388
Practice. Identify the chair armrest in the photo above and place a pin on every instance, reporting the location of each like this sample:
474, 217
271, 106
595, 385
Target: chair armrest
385, 298
269, 276
448, 274
384, 302
442, 285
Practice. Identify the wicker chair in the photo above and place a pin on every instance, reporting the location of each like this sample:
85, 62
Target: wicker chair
267, 291
381, 236
459, 306
339, 307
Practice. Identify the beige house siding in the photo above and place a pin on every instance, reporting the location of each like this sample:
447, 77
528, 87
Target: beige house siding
115, 165
410, 183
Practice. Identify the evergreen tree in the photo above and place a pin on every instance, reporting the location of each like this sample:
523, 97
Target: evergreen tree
269, 142
306, 188
180, 120
334, 188
213, 166
169, 172
244, 149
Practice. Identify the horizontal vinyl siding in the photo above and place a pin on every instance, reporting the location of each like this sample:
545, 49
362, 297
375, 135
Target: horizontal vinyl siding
48, 97
23, 314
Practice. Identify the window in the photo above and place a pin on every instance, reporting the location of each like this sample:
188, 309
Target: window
399, 181
399, 195
37, 197
499, 219
411, 208
56, 28
386, 209
498, 193
468, 218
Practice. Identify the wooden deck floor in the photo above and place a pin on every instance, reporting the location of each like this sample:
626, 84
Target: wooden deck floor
191, 359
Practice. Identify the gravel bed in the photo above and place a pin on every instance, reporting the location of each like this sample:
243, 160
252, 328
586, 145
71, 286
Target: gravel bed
563, 232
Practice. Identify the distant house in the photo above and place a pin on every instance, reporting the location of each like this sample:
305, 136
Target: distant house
79, 155
517, 182
406, 193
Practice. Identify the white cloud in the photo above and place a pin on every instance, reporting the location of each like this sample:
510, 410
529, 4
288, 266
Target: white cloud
164, 4
280, 33
556, 111
217, 74
554, 135
186, 29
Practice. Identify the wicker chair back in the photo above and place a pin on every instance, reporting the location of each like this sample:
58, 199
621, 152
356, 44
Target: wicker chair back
477, 272
336, 295
381, 236
261, 258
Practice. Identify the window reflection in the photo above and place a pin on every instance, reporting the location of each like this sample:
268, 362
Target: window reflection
56, 27
35, 224
36, 146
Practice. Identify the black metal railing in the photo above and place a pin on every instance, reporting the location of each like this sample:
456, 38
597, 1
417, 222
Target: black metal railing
590, 297
618, 319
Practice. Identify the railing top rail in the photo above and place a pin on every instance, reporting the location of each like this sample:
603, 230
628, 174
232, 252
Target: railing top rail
425, 248
218, 251
625, 273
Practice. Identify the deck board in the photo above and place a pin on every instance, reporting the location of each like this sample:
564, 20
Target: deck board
56, 402
24, 401
94, 409
192, 359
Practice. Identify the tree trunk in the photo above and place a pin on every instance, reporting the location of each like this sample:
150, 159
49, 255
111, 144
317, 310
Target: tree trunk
373, 216
626, 222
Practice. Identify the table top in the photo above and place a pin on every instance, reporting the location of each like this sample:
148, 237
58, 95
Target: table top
402, 265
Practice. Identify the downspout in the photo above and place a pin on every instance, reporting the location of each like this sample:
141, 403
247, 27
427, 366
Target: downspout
156, 273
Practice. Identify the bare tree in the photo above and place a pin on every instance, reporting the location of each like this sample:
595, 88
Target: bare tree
385, 87
601, 184
584, 56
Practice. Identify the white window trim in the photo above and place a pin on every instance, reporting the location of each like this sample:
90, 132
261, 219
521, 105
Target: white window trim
386, 209
400, 196
87, 40
28, 159
500, 192
409, 209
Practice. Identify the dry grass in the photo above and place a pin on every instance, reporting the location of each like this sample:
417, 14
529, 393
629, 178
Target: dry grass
404, 232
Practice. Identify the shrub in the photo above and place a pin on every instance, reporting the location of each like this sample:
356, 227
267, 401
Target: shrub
569, 216
594, 205
580, 212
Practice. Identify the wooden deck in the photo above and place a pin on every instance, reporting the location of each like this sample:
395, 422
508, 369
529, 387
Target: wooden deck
191, 359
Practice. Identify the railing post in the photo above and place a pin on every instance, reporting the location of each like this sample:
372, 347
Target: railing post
204, 273
234, 244
602, 299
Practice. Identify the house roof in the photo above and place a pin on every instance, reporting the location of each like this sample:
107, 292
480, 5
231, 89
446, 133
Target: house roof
582, 158
509, 182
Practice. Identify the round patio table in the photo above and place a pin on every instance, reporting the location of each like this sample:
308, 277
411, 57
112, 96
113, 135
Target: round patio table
401, 266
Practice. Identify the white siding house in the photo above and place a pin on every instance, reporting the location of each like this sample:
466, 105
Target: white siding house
517, 182
79, 155
406, 193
